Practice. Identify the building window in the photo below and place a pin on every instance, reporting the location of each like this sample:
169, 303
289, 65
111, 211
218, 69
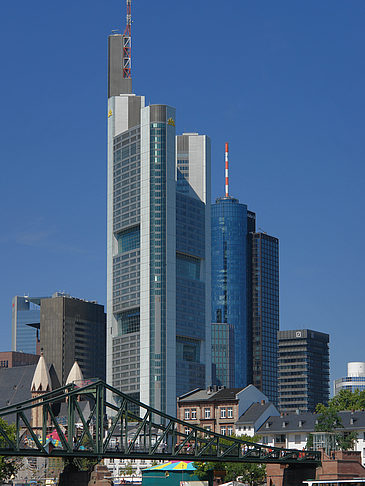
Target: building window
187, 431
207, 413
223, 413
230, 412
207, 428
265, 439
193, 413
223, 430
229, 430
187, 414
297, 438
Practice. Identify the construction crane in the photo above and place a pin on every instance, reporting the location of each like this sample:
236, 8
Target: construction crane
127, 44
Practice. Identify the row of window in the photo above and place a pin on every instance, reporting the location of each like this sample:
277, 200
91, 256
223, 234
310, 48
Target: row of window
224, 413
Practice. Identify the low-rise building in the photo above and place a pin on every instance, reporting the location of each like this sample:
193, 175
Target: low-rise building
11, 359
291, 430
217, 409
252, 419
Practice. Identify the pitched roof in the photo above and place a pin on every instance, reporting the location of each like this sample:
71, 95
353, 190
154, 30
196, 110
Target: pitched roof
75, 374
306, 422
211, 394
253, 413
15, 387
41, 379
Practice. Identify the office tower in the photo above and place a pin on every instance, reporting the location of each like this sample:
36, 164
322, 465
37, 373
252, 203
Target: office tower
265, 313
303, 369
223, 353
355, 379
25, 311
229, 278
158, 297
73, 330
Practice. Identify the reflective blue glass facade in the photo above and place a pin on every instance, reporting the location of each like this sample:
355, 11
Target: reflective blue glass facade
25, 310
229, 278
265, 313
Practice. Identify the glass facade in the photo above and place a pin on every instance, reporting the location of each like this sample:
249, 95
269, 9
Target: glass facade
265, 313
229, 278
25, 310
223, 353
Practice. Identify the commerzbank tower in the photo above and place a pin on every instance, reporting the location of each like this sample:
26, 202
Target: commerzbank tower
158, 257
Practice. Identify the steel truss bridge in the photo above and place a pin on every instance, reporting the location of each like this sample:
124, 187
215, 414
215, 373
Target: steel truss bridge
72, 422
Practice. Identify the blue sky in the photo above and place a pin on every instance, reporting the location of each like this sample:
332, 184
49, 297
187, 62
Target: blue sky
282, 81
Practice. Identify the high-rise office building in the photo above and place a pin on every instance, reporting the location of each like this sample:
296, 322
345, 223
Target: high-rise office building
73, 330
303, 369
229, 279
223, 357
158, 276
355, 379
25, 312
265, 313
245, 292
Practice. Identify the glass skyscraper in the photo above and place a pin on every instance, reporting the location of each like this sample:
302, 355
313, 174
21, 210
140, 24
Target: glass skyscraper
25, 311
245, 294
158, 277
265, 313
230, 278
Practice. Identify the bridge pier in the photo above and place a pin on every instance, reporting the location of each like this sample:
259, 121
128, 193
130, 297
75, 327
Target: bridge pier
289, 474
71, 476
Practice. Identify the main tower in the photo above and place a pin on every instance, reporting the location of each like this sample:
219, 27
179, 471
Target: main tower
157, 344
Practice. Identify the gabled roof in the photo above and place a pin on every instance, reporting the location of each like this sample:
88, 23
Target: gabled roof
41, 379
253, 413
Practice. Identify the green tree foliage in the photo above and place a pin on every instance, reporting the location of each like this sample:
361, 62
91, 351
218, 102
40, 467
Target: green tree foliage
330, 421
9, 466
253, 474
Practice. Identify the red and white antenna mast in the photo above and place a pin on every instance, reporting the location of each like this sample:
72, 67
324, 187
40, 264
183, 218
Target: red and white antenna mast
127, 44
226, 161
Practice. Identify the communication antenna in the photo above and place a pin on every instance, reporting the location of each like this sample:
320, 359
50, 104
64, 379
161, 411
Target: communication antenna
226, 160
127, 44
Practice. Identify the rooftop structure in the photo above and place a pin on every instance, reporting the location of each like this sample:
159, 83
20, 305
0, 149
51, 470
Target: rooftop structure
355, 379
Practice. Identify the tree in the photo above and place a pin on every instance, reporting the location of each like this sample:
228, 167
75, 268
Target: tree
9, 466
253, 474
330, 421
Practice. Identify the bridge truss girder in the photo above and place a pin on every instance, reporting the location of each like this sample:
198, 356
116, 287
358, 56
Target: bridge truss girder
136, 431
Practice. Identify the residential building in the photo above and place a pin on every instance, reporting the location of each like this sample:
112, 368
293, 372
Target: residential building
217, 409
11, 359
355, 379
223, 353
252, 419
25, 312
72, 330
265, 313
291, 430
303, 369
158, 270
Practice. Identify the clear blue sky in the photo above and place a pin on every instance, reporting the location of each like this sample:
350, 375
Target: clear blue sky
282, 81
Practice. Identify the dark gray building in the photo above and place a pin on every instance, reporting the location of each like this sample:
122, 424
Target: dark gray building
303, 369
73, 330
265, 313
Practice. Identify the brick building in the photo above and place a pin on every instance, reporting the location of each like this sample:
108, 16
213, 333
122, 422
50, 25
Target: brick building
11, 359
217, 409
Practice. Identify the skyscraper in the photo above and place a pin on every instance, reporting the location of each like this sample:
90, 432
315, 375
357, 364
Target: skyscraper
245, 293
158, 277
25, 311
303, 370
265, 313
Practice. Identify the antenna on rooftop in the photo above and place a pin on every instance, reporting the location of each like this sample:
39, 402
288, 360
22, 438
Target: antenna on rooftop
226, 160
127, 43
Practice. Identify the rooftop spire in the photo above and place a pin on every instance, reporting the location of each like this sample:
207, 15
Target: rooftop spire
127, 43
75, 374
41, 379
226, 161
